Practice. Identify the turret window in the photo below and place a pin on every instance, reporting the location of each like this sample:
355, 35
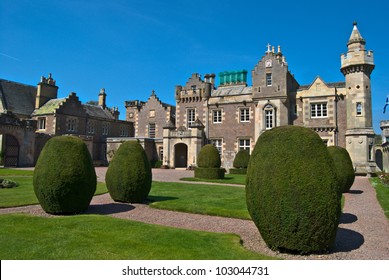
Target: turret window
359, 109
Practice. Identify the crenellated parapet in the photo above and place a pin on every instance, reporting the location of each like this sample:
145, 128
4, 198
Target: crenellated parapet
195, 89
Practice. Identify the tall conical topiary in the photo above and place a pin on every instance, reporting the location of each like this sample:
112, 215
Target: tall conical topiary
129, 176
344, 167
292, 190
64, 177
208, 162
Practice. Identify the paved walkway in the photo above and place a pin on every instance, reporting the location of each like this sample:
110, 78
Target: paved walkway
363, 231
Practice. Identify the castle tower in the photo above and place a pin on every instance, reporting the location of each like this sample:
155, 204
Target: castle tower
357, 65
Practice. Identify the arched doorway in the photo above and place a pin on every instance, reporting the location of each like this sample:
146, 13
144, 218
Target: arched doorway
180, 155
11, 151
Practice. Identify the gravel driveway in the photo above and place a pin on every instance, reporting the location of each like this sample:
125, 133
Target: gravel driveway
363, 231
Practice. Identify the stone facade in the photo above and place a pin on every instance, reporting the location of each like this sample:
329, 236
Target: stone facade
233, 115
31, 115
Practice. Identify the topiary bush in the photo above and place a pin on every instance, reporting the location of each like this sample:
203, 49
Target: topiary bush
129, 176
64, 177
208, 163
241, 159
344, 167
208, 157
292, 191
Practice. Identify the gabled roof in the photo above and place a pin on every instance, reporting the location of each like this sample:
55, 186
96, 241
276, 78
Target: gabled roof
49, 107
318, 79
17, 98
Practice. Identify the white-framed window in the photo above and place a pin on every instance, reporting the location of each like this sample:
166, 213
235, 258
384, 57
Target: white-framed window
218, 143
152, 113
244, 115
191, 117
359, 109
91, 127
269, 116
105, 130
151, 130
269, 79
71, 125
318, 110
41, 123
244, 144
217, 116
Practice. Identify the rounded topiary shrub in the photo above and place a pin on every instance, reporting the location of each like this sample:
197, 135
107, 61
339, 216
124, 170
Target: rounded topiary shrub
208, 157
241, 159
292, 190
129, 176
208, 163
344, 167
64, 177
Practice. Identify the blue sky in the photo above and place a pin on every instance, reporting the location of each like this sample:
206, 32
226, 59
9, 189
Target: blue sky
132, 47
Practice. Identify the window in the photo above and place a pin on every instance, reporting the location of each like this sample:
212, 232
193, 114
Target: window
152, 113
42, 123
91, 127
71, 125
359, 109
217, 116
151, 130
218, 143
191, 116
124, 131
161, 153
244, 115
105, 129
268, 79
319, 110
269, 116
244, 144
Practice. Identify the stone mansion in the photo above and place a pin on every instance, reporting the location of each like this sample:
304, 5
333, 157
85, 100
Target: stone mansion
233, 115
230, 114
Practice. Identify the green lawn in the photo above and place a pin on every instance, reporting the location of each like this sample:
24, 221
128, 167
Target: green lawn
382, 191
202, 199
24, 193
93, 237
237, 179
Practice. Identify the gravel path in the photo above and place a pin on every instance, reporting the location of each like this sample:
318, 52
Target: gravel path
363, 232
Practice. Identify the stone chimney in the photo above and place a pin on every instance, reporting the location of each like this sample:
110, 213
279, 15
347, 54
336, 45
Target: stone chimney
102, 97
46, 90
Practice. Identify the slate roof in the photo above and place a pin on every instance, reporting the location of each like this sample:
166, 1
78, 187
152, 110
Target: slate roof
17, 98
232, 90
97, 112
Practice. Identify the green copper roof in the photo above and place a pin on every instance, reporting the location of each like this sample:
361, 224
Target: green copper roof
49, 107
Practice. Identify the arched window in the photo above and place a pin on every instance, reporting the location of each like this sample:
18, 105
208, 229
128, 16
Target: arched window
269, 116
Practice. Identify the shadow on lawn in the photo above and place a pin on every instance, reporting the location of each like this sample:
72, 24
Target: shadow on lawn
153, 198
